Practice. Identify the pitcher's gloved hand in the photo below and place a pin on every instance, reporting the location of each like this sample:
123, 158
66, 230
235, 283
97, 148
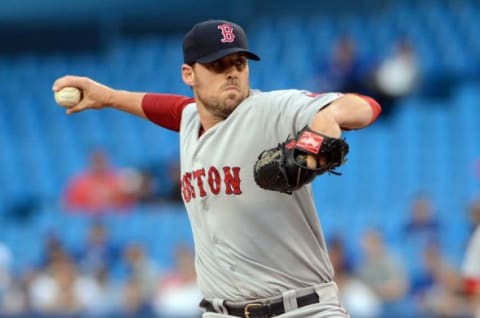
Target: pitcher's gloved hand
284, 168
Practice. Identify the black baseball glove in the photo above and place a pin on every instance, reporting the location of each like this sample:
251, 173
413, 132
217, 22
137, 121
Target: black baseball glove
284, 168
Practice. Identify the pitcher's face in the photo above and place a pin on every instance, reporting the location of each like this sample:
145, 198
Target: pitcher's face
220, 86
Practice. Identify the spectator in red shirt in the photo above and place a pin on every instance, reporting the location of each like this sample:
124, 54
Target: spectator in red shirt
98, 189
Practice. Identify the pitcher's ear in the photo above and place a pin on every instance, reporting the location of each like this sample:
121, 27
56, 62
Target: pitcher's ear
187, 74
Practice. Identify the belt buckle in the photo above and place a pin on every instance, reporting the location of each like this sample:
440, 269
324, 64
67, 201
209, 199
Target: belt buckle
246, 311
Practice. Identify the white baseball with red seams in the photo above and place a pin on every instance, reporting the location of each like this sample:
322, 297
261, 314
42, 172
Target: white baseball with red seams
250, 243
68, 96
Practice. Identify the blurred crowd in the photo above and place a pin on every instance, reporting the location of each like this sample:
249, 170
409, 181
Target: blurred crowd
103, 277
385, 281
381, 282
103, 188
79, 283
388, 79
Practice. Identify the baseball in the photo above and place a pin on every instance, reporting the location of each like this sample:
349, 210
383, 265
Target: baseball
68, 96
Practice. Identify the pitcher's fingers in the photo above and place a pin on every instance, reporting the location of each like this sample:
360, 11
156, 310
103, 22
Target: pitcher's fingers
311, 162
322, 162
77, 108
69, 80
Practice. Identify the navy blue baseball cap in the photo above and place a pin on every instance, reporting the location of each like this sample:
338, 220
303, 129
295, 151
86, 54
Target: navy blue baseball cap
213, 39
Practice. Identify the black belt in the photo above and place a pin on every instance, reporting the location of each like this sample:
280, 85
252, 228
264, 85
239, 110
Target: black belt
261, 310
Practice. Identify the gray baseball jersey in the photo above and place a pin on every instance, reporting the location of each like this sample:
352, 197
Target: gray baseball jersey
250, 243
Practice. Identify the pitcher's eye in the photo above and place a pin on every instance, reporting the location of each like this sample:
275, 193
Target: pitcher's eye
220, 66
240, 63
217, 66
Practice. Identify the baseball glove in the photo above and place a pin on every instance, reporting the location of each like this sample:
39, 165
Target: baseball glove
284, 168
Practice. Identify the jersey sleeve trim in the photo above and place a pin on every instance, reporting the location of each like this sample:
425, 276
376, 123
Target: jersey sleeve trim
376, 108
165, 110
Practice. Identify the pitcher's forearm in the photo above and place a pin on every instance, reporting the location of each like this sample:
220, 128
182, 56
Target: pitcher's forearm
97, 96
350, 111
130, 102
353, 111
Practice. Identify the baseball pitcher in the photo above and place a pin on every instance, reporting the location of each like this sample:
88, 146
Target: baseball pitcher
247, 159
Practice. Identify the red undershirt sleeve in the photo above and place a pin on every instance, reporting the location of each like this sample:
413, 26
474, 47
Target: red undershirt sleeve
165, 109
376, 108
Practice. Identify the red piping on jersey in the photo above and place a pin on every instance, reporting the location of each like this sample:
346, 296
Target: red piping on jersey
165, 109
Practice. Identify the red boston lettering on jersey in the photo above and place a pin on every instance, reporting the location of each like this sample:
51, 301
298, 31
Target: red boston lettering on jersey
227, 33
231, 179
214, 180
198, 174
232, 182
188, 191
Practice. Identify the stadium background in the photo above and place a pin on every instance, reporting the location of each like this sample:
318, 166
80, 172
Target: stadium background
430, 144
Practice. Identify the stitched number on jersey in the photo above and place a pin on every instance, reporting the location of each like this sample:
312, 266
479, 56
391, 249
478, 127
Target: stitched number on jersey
227, 33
